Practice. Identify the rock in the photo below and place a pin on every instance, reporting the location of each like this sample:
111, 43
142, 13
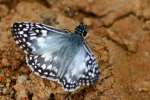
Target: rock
22, 95
3, 10
8, 83
5, 91
5, 62
21, 79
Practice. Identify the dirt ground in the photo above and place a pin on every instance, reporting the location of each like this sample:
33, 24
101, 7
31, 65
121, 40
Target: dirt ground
119, 36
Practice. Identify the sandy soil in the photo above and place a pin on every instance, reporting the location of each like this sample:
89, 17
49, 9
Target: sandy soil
119, 35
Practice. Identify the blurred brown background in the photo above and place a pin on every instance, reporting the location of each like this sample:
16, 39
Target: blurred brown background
119, 35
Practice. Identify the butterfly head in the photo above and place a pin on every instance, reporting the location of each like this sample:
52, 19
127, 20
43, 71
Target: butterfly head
81, 30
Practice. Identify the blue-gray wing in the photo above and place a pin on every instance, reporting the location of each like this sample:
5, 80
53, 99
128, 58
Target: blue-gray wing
55, 55
32, 37
72, 66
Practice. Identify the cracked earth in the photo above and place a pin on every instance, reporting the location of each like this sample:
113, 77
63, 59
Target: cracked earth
119, 36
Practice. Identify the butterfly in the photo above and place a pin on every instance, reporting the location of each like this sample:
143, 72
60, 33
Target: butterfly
57, 55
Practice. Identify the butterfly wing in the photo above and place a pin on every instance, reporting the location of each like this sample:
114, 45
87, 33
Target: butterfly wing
32, 37
82, 71
55, 55
71, 65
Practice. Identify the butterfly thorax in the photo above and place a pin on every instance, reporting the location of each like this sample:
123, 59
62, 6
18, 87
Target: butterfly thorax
81, 30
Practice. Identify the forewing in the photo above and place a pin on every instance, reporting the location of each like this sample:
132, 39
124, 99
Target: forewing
32, 37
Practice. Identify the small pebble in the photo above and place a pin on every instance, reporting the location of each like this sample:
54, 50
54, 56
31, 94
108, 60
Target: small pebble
22, 95
8, 83
5, 62
1, 85
21, 79
5, 91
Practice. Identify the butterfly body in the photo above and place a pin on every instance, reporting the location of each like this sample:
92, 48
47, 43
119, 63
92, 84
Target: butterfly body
57, 55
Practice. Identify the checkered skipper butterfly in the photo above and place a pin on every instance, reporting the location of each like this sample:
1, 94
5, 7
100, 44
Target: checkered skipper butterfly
56, 54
